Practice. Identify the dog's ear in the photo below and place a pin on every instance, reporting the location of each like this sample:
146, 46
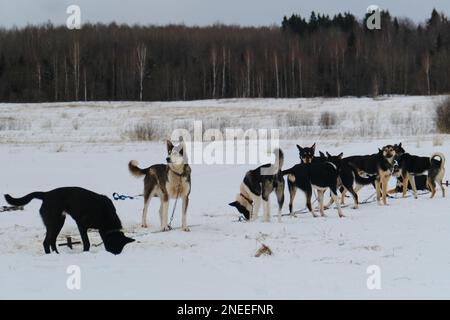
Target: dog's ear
328, 155
299, 148
169, 146
127, 239
400, 144
340, 155
233, 204
182, 146
322, 155
314, 147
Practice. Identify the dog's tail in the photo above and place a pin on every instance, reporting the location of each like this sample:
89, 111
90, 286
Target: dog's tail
135, 170
364, 181
279, 158
287, 171
24, 200
439, 155
361, 180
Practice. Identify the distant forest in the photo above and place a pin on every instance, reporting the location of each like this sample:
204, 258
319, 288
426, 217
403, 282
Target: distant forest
304, 57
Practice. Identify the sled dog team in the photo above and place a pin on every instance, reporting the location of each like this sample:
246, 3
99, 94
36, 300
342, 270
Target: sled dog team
173, 181
328, 172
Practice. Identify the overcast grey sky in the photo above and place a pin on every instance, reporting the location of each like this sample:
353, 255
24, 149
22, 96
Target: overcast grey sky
202, 12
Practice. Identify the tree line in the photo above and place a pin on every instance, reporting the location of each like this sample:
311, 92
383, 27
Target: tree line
318, 56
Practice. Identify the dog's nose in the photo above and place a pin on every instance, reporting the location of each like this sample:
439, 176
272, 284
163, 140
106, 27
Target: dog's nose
168, 159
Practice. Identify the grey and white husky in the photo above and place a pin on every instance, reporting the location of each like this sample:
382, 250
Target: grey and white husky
166, 181
259, 184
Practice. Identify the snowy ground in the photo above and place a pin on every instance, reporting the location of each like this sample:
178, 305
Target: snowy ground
313, 257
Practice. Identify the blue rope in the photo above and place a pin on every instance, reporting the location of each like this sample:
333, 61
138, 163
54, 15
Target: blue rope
117, 196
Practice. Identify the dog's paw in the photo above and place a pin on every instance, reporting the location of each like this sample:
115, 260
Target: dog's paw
144, 225
341, 216
355, 207
186, 229
165, 229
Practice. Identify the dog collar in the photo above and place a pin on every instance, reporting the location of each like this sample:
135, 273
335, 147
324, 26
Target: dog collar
179, 174
248, 200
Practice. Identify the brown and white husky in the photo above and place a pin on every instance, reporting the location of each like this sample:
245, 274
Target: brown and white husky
166, 181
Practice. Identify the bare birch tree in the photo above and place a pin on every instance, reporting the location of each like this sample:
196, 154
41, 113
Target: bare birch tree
141, 51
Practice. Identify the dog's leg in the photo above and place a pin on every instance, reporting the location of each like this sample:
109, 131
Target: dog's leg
308, 203
292, 190
266, 203
412, 181
46, 243
184, 214
320, 199
165, 212
256, 204
442, 189
439, 179
144, 211
356, 189
432, 186
377, 190
347, 184
45, 215
384, 185
280, 198
355, 198
330, 203
84, 238
405, 178
344, 192
338, 205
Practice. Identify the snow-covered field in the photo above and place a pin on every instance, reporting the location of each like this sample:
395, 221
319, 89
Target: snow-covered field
43, 146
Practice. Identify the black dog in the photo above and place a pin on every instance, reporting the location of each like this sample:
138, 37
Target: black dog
411, 165
420, 181
89, 210
348, 176
318, 175
380, 165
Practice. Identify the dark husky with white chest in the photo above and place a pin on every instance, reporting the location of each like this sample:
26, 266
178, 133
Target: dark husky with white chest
166, 181
89, 210
411, 166
259, 184
379, 165
348, 177
316, 175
